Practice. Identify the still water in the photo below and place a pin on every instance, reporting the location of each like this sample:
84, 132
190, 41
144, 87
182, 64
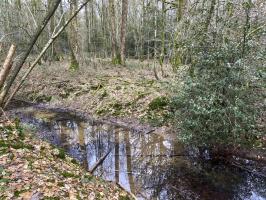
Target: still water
151, 166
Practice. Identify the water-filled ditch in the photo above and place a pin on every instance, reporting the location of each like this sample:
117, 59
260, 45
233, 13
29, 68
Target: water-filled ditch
151, 166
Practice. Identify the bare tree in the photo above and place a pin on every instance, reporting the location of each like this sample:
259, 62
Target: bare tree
113, 31
23, 58
72, 38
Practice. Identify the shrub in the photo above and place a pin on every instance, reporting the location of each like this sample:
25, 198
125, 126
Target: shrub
217, 104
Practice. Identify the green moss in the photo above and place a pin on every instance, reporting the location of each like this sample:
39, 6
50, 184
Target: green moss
158, 103
4, 180
86, 178
15, 145
18, 192
117, 106
51, 198
74, 162
61, 154
74, 65
124, 197
51, 180
66, 174
102, 111
61, 184
104, 94
117, 60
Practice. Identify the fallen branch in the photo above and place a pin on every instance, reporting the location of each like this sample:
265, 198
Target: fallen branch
7, 65
99, 162
149, 132
48, 44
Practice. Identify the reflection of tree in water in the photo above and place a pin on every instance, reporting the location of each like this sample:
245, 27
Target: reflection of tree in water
129, 163
117, 156
140, 162
71, 136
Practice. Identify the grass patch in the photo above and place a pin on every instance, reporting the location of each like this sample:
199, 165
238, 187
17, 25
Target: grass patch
15, 145
158, 103
51, 198
61, 154
66, 174
4, 180
18, 192
124, 197
86, 178
74, 162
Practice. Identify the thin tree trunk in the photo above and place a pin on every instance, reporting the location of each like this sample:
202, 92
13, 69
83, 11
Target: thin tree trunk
72, 38
209, 17
246, 27
123, 31
142, 30
53, 52
155, 40
129, 163
117, 156
25, 55
113, 31
7, 65
163, 38
87, 23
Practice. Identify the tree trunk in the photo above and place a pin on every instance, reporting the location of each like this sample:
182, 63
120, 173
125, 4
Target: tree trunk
129, 163
117, 168
246, 27
88, 30
155, 41
72, 38
163, 38
123, 31
53, 53
113, 31
7, 65
209, 17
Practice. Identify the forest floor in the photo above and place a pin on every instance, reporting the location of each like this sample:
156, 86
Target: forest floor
130, 94
33, 169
